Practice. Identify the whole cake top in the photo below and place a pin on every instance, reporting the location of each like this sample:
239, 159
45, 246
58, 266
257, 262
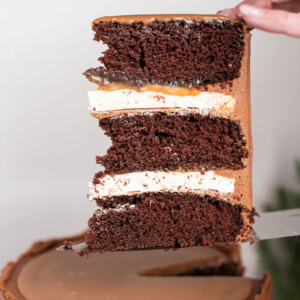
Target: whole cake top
127, 275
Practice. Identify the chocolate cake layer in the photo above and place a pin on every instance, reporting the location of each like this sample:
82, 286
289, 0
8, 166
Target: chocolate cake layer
228, 268
164, 220
175, 53
172, 141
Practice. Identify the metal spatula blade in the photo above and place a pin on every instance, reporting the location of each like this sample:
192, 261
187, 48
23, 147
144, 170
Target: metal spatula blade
277, 224
74, 247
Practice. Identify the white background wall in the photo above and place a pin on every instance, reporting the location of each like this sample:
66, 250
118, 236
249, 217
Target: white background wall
49, 141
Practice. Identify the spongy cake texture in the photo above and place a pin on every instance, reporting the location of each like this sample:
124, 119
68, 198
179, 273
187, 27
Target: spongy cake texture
160, 141
173, 53
163, 220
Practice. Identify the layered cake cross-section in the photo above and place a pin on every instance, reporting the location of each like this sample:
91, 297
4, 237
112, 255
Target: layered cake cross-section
174, 97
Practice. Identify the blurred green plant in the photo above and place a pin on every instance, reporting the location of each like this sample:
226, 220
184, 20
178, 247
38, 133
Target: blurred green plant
282, 257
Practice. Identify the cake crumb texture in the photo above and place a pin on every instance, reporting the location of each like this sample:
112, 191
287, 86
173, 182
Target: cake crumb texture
172, 141
164, 220
174, 53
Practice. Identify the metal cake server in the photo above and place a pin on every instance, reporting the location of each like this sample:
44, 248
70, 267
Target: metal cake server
270, 225
277, 224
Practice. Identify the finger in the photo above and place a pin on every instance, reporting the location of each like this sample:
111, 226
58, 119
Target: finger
225, 12
276, 21
280, 1
233, 12
230, 13
288, 5
261, 3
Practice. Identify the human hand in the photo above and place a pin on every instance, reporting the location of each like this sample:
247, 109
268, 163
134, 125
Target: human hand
278, 16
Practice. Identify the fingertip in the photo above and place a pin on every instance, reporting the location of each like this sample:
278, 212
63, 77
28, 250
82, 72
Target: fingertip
225, 12
248, 10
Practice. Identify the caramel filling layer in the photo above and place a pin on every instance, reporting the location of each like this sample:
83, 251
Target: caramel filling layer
177, 91
146, 19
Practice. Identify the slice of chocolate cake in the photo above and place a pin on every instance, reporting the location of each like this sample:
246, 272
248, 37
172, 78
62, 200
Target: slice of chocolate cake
173, 96
212, 273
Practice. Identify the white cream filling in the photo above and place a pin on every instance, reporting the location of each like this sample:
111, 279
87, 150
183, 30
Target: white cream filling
119, 208
143, 182
102, 101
